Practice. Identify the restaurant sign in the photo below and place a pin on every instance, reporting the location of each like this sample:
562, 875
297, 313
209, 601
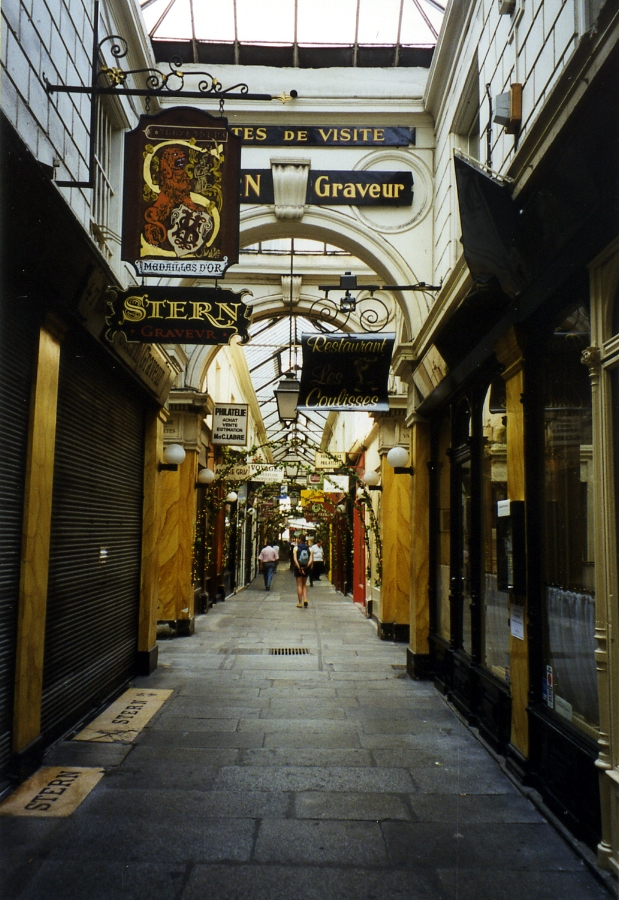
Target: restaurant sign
177, 315
345, 371
180, 202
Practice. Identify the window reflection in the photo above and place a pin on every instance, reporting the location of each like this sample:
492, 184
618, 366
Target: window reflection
494, 487
443, 624
569, 565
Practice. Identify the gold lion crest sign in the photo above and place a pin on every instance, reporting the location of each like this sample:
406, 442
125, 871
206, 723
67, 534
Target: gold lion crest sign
181, 195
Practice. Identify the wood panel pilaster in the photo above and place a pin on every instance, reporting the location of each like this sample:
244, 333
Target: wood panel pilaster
36, 539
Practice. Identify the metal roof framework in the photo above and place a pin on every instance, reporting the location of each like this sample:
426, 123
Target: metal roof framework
293, 32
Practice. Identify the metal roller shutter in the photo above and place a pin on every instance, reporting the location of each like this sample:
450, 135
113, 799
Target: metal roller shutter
94, 574
18, 343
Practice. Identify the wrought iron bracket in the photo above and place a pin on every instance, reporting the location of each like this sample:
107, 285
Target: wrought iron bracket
112, 80
372, 318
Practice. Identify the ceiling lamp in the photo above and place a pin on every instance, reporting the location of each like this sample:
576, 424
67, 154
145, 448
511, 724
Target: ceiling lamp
287, 395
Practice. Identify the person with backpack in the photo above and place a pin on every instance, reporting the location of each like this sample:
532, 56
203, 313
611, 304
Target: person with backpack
302, 559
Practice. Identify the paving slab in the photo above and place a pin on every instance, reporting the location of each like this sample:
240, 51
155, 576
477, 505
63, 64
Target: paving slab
347, 843
331, 776
278, 882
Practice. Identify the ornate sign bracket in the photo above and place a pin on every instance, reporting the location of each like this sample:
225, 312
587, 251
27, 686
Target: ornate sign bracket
112, 80
373, 314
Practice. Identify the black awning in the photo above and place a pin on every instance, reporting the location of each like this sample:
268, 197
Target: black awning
489, 220
474, 318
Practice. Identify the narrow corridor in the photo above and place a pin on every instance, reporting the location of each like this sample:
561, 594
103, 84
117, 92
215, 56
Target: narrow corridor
327, 774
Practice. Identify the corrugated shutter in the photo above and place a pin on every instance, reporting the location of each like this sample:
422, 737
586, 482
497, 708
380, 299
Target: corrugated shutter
94, 574
18, 342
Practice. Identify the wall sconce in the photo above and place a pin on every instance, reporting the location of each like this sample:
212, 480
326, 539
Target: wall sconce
232, 497
398, 458
205, 476
173, 455
371, 479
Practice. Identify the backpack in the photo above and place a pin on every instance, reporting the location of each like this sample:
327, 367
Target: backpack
303, 555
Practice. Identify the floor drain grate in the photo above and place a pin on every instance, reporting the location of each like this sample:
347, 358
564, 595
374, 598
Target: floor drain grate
288, 651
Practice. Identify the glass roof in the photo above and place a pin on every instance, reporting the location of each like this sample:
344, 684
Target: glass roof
268, 357
408, 23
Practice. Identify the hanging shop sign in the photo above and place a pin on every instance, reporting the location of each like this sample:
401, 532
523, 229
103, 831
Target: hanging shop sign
336, 188
230, 424
268, 474
328, 462
180, 202
324, 136
166, 315
345, 371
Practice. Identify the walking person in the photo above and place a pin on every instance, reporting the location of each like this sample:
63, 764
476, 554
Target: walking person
302, 559
268, 558
318, 560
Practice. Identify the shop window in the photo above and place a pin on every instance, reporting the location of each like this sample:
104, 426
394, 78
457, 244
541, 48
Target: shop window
103, 225
570, 681
463, 507
495, 610
443, 537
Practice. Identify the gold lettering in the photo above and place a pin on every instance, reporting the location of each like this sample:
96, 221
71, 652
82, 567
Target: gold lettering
231, 309
320, 191
301, 135
324, 136
388, 190
202, 310
289, 135
364, 133
363, 189
156, 308
349, 190
398, 188
344, 134
261, 134
354, 135
248, 134
175, 309
236, 130
379, 134
133, 309
253, 183
375, 190
335, 188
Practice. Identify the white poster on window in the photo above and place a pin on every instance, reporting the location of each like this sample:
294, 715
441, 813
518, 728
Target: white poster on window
230, 424
516, 620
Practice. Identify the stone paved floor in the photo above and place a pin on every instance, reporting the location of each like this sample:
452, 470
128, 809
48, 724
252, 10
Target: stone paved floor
329, 775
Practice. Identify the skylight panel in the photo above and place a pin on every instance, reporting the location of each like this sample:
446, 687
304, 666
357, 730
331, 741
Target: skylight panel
176, 23
378, 24
326, 21
214, 20
265, 23
415, 28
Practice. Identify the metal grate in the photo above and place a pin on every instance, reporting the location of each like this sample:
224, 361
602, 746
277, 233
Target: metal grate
288, 651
